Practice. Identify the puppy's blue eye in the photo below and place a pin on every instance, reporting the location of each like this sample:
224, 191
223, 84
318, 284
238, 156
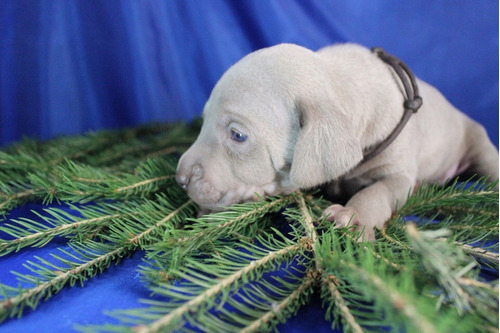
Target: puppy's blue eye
238, 136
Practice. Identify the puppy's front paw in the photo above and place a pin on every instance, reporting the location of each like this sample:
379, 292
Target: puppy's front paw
348, 217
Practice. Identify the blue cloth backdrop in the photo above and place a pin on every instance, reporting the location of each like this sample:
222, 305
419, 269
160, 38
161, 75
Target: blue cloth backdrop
67, 67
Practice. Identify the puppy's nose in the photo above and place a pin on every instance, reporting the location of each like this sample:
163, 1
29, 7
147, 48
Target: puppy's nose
182, 180
185, 175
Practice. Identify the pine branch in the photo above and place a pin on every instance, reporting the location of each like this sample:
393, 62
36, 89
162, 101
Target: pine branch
29, 171
338, 304
394, 292
391, 234
73, 182
265, 322
472, 229
454, 271
10, 201
475, 221
83, 183
30, 233
217, 279
307, 219
479, 198
210, 228
95, 148
216, 289
137, 238
397, 299
86, 260
48, 282
57, 222
174, 140
480, 253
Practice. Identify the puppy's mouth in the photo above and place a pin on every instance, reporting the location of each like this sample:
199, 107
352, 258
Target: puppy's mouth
242, 194
226, 200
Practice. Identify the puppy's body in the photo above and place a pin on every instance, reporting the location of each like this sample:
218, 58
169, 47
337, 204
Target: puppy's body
305, 118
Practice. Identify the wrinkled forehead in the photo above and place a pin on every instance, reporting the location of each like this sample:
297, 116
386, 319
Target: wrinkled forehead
247, 100
257, 111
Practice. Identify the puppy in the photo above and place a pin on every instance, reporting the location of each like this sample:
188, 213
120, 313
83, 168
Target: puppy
285, 118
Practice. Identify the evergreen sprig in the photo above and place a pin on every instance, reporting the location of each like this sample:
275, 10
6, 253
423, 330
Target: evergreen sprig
31, 170
205, 230
248, 268
375, 294
217, 280
87, 258
454, 272
457, 199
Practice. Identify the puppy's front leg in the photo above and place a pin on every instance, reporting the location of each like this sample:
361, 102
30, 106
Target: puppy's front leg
372, 207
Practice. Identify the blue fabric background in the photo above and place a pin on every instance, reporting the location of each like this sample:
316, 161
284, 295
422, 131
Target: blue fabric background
67, 67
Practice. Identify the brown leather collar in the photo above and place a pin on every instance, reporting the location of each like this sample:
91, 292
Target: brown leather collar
411, 104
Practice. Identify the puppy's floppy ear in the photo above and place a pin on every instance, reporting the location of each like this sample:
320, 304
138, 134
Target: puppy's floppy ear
326, 147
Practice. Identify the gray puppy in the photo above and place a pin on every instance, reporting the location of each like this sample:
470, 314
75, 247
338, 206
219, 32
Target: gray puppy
285, 118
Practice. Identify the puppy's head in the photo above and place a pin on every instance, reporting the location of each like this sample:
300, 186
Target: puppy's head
267, 129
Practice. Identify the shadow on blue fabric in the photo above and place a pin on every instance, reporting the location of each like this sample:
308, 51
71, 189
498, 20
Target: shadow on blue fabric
67, 67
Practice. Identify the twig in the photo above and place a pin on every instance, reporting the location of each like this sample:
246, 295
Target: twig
142, 183
392, 240
10, 302
278, 307
237, 219
332, 282
164, 321
476, 251
57, 230
309, 226
159, 223
397, 300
